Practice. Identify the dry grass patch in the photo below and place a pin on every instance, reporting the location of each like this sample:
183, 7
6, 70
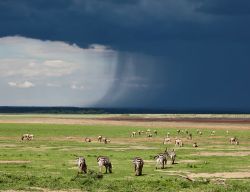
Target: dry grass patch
234, 154
227, 175
13, 162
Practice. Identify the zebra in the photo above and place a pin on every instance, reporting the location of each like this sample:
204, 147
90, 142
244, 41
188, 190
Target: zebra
99, 138
195, 144
104, 161
155, 132
149, 135
171, 155
178, 142
31, 137
234, 141
139, 132
161, 159
81, 162
133, 134
212, 132
105, 140
87, 140
138, 163
190, 136
168, 134
28, 137
166, 140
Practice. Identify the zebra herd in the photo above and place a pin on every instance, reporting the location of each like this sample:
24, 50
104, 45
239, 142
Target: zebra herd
103, 161
148, 133
138, 162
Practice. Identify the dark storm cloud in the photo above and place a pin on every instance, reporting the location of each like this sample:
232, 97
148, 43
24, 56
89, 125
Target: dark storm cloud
180, 53
225, 7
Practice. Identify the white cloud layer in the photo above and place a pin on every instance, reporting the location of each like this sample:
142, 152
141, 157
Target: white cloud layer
25, 84
57, 72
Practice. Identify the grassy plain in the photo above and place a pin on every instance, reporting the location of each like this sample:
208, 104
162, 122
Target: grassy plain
48, 162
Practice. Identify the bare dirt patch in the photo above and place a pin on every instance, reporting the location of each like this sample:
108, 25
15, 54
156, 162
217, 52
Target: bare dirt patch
211, 123
7, 145
189, 161
228, 175
13, 161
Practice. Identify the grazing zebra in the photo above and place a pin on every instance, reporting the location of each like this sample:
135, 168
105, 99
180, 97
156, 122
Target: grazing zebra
166, 140
178, 142
27, 137
138, 163
171, 155
99, 138
104, 162
82, 165
88, 140
190, 136
149, 135
195, 144
155, 132
234, 141
133, 134
161, 160
105, 140
30, 137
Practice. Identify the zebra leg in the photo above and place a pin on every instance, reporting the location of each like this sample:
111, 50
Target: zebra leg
156, 165
106, 169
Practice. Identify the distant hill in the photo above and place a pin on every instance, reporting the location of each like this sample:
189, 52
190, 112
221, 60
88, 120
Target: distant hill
80, 110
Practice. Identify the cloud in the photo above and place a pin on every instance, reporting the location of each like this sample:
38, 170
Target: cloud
23, 85
77, 87
51, 67
225, 7
53, 85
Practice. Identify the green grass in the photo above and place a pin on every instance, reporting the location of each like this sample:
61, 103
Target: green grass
51, 159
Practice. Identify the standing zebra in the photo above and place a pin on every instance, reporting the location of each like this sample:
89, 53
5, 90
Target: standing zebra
161, 159
82, 165
138, 163
171, 155
155, 132
234, 141
99, 138
104, 161
178, 142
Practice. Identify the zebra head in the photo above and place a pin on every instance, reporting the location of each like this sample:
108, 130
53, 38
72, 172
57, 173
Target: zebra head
80, 161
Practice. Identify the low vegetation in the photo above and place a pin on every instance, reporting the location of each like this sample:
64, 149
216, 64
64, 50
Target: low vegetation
48, 161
